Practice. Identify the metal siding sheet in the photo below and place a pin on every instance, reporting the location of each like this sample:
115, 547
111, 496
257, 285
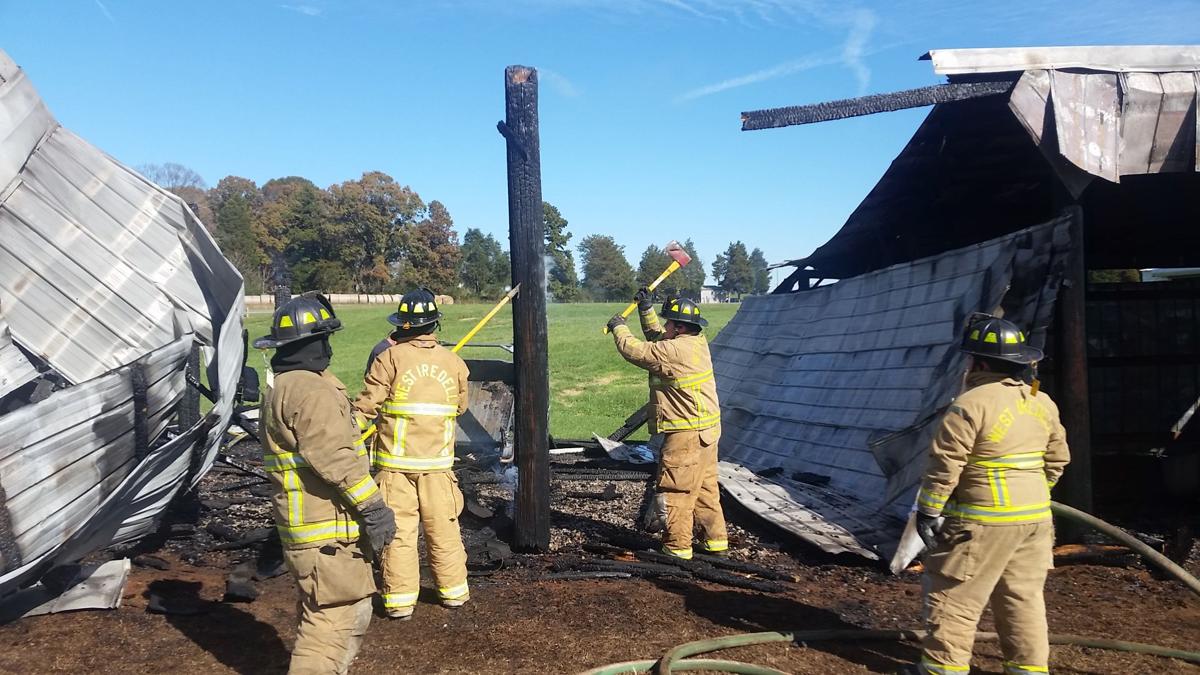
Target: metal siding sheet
15, 370
98, 268
807, 380
24, 121
1087, 119
1145, 58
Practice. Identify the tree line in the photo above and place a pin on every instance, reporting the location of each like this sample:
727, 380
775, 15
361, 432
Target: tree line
376, 235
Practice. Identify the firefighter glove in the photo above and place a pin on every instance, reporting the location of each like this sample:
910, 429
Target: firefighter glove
644, 298
927, 530
617, 320
379, 522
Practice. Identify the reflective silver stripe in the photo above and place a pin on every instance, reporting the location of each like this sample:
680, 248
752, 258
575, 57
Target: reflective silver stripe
283, 461
453, 592
315, 532
392, 600
998, 514
681, 382
691, 423
427, 409
386, 460
362, 491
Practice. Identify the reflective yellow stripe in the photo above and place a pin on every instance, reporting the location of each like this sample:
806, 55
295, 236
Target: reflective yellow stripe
714, 545
1019, 669
329, 530
386, 460
362, 491
998, 514
1003, 483
682, 382
692, 423
393, 600
930, 666
993, 477
932, 500
453, 592
683, 553
413, 409
283, 461
1021, 460
295, 498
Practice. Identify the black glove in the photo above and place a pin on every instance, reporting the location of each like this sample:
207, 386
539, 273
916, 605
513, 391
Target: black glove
379, 522
644, 298
927, 530
617, 320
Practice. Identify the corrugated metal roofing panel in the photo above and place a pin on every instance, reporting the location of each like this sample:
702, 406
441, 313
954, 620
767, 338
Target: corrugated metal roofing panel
1117, 59
809, 380
15, 370
99, 268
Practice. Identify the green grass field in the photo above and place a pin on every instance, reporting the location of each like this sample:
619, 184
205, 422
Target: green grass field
592, 388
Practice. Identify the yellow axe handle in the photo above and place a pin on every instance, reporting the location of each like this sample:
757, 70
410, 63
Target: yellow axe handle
488, 317
666, 273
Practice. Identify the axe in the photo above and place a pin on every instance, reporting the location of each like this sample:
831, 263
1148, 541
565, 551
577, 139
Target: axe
679, 258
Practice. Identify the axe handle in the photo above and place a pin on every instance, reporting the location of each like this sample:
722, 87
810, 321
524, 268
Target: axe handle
666, 273
488, 317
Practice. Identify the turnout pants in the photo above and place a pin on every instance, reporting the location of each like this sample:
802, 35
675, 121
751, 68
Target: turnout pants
687, 494
976, 564
433, 501
336, 584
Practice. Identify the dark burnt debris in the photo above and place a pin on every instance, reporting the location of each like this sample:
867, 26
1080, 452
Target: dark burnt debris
227, 524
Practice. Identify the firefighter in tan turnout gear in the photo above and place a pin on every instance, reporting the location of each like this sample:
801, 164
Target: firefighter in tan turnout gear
413, 392
325, 499
684, 408
999, 451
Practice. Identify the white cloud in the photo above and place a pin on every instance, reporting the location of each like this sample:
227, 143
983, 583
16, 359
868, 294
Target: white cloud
558, 82
859, 24
107, 13
306, 10
771, 73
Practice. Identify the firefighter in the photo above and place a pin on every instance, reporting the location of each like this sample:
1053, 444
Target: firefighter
684, 408
414, 391
325, 500
998, 452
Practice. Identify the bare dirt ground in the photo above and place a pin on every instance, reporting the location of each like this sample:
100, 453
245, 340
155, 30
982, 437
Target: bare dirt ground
518, 621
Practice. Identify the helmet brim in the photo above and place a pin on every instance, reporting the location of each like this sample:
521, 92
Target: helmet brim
268, 342
395, 320
1027, 356
694, 320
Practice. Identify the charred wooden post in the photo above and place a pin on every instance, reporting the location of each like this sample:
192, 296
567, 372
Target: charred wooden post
528, 248
1075, 488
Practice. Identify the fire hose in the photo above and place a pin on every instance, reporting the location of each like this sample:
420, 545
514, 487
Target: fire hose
677, 659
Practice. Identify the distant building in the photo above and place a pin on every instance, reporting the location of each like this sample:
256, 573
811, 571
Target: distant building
713, 294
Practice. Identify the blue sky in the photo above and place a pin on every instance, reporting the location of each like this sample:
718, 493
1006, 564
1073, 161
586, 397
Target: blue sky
640, 99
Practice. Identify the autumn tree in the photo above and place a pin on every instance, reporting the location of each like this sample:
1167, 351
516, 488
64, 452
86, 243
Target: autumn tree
732, 270
172, 176
562, 283
607, 275
429, 253
371, 221
762, 276
484, 268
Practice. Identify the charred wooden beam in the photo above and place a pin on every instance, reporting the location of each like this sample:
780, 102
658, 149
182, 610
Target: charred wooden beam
632, 424
869, 105
141, 411
528, 248
1075, 488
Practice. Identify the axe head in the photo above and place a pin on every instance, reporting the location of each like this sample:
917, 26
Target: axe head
677, 253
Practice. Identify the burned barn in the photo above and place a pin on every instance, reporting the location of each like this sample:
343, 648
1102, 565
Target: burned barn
1037, 176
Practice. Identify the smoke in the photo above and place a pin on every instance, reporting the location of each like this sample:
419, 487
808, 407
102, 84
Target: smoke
552, 268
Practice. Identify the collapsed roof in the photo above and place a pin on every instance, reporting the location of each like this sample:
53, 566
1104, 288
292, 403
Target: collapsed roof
828, 392
107, 283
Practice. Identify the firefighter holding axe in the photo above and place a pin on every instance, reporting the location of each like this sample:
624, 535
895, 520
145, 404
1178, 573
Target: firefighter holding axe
684, 408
